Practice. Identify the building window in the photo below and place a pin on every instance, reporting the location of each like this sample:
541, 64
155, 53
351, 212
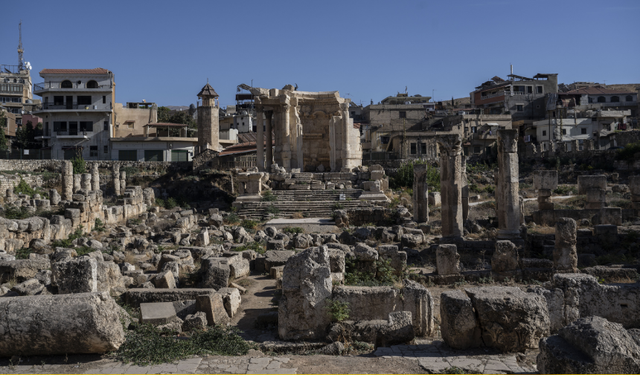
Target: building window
529, 89
105, 125
66, 84
93, 151
615, 99
92, 85
628, 98
104, 99
519, 107
59, 126
106, 149
84, 100
602, 99
423, 148
413, 149
539, 89
58, 100
583, 130
403, 114
86, 126
544, 133
564, 131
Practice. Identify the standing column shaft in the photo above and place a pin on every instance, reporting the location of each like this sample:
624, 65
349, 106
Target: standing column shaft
451, 185
420, 194
95, 177
507, 185
269, 146
116, 179
67, 180
260, 139
123, 181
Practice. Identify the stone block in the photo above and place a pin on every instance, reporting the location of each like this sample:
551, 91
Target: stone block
157, 313
79, 275
447, 260
591, 182
213, 306
165, 279
232, 299
216, 273
458, 323
545, 180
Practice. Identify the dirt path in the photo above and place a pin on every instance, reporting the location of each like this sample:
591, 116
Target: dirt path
257, 301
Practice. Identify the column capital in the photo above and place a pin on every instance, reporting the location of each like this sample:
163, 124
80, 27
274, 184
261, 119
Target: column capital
508, 140
450, 144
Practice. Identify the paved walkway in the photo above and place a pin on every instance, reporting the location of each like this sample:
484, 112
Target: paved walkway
427, 357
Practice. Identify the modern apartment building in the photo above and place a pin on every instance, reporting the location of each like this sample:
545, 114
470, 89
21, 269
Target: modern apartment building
77, 112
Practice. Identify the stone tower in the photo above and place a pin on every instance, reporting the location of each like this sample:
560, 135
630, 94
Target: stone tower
208, 122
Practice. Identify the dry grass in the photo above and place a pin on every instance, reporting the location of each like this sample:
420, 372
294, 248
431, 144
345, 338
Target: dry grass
131, 258
542, 229
297, 215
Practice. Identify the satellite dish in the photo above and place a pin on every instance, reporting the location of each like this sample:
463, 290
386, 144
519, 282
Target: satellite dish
28, 65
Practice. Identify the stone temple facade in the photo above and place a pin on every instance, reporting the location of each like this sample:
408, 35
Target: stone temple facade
312, 130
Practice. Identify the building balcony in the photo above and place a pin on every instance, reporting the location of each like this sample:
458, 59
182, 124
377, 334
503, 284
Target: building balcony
62, 107
44, 87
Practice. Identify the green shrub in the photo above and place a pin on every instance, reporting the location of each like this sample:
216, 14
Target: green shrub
272, 210
268, 196
98, 226
259, 247
249, 224
338, 310
24, 188
69, 241
231, 219
629, 151
404, 176
23, 253
338, 206
565, 190
79, 165
170, 203
384, 275
146, 345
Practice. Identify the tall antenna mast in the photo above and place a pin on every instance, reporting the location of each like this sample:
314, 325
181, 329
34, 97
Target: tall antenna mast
20, 50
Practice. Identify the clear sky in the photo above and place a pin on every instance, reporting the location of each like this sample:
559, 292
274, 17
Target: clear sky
164, 51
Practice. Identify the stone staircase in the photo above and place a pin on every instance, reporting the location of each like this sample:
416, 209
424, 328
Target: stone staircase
310, 203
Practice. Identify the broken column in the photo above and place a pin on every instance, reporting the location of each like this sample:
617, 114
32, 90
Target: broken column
67, 180
545, 182
451, 185
507, 185
420, 194
447, 260
95, 177
634, 187
77, 182
123, 181
595, 188
115, 173
565, 254
86, 181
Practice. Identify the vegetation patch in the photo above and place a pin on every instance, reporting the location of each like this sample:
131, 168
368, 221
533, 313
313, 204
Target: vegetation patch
293, 230
268, 196
338, 310
146, 345
384, 274
404, 176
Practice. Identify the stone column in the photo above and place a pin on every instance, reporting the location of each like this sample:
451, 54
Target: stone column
595, 188
507, 185
286, 138
420, 194
123, 181
346, 146
115, 173
86, 181
565, 254
634, 186
95, 177
451, 185
259, 137
545, 182
269, 146
67, 180
77, 182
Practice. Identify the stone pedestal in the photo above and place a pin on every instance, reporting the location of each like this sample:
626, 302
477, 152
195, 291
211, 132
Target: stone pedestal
420, 194
250, 186
565, 254
545, 182
77, 182
507, 185
451, 185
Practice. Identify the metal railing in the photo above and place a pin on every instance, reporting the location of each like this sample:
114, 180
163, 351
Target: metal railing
75, 105
74, 86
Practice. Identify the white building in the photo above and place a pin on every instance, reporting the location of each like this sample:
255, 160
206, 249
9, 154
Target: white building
243, 122
160, 142
77, 112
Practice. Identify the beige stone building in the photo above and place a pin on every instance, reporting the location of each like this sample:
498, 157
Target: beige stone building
131, 119
313, 130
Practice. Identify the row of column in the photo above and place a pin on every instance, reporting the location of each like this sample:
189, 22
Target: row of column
263, 118
72, 183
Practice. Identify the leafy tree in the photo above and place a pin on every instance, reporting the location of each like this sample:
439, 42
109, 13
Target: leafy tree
25, 136
404, 176
79, 165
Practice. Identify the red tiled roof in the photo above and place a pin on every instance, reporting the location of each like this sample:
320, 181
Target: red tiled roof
596, 90
239, 148
75, 71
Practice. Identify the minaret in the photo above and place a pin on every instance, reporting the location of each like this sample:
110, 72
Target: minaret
208, 122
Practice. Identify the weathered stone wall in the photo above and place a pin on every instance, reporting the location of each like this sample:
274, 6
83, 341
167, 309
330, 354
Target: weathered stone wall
56, 165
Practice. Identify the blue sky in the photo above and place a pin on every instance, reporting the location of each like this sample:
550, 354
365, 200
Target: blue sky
164, 51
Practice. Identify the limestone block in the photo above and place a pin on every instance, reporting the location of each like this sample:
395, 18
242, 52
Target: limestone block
60, 324
109, 278
232, 299
135, 297
28, 288
195, 322
505, 257
157, 313
510, 319
545, 180
274, 258
585, 183
590, 345
165, 279
447, 260
78, 275
458, 323
216, 273
213, 306
365, 253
